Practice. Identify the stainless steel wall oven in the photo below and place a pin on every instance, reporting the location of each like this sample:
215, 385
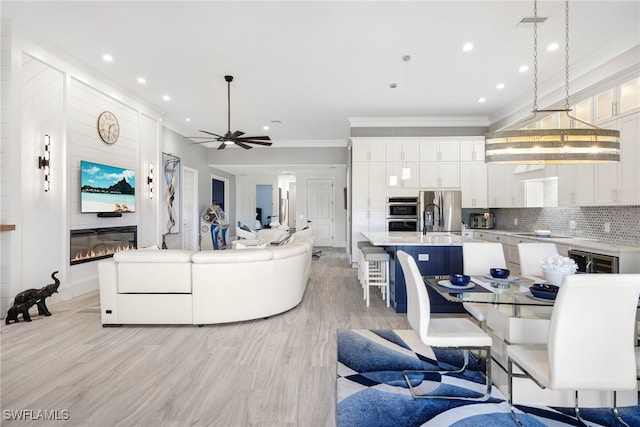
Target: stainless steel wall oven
402, 214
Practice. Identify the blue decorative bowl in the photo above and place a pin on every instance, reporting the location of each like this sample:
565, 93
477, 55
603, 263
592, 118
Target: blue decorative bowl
500, 273
543, 290
459, 279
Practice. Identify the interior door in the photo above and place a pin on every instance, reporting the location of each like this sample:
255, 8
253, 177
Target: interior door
320, 210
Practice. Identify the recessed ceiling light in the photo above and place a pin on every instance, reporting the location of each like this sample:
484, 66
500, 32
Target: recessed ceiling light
188, 119
523, 68
481, 100
166, 97
265, 127
500, 86
552, 47
107, 58
142, 80
468, 47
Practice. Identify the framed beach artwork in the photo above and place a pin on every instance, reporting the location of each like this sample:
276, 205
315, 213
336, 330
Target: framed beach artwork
170, 193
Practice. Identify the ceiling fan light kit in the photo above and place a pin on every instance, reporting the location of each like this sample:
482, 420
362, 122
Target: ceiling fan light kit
236, 137
581, 142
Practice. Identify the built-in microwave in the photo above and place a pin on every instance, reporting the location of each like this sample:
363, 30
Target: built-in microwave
402, 208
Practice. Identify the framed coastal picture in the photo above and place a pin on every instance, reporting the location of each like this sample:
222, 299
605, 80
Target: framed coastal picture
170, 194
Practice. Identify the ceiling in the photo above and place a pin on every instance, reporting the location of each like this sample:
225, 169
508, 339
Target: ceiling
311, 65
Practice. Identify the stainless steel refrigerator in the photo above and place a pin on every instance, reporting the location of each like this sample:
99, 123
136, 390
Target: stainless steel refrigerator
440, 211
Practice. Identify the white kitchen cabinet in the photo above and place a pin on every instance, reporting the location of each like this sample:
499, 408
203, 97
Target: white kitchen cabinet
438, 150
619, 183
364, 221
618, 101
472, 151
440, 174
402, 149
504, 189
575, 185
395, 169
368, 186
368, 150
473, 184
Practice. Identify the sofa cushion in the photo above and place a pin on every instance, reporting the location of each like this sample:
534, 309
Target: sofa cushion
271, 235
231, 256
153, 256
288, 251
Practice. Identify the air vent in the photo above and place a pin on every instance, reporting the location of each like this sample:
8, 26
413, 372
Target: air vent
531, 20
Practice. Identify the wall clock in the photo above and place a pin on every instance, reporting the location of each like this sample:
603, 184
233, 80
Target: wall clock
108, 127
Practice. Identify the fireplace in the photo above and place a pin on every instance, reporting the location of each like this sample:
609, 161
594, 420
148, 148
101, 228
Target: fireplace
92, 244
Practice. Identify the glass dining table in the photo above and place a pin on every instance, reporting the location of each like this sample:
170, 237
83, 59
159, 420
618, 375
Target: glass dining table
486, 290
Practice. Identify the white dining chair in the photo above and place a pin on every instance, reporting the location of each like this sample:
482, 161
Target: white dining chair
455, 333
532, 255
591, 339
477, 259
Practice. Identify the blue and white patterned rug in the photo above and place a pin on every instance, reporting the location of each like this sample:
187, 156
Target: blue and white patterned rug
371, 390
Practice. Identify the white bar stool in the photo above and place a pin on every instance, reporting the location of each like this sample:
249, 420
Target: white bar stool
376, 272
361, 245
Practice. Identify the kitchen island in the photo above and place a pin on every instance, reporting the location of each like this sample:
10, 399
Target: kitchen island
435, 253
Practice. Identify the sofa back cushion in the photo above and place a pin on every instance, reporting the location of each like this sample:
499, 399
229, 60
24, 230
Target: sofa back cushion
154, 271
231, 256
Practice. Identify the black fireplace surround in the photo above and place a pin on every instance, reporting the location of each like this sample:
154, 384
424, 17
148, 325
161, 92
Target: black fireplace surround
92, 244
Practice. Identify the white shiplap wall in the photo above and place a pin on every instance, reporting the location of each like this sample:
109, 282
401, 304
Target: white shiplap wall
42, 94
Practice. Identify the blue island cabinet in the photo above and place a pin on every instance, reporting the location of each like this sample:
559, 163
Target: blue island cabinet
432, 261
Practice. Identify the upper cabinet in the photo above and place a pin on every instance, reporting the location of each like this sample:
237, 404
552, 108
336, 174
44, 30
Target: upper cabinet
618, 101
369, 150
472, 151
437, 150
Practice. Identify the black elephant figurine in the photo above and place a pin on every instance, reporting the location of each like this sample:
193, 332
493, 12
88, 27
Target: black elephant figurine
25, 299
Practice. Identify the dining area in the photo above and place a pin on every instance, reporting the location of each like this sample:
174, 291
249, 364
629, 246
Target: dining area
547, 337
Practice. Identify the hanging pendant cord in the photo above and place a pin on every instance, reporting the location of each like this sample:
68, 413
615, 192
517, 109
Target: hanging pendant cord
535, 56
567, 106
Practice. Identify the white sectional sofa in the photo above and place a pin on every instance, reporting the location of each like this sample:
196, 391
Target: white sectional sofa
147, 286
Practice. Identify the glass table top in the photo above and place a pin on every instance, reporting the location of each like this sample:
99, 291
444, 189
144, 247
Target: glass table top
490, 291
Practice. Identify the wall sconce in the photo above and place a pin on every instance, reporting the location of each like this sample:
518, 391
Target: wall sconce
150, 180
43, 163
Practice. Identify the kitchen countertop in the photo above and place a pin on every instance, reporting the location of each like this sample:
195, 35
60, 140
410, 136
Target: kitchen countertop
403, 238
574, 242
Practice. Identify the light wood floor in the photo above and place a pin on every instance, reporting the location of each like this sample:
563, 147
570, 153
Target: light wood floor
279, 371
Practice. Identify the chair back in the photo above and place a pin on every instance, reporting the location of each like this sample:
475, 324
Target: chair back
532, 255
478, 258
418, 304
592, 332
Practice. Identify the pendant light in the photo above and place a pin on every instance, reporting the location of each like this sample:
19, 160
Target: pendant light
581, 142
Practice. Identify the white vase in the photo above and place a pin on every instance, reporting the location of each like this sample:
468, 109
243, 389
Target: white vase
554, 277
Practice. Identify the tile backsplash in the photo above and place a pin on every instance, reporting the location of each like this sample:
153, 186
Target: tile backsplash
584, 222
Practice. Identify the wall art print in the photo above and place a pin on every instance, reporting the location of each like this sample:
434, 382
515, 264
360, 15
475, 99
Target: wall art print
170, 193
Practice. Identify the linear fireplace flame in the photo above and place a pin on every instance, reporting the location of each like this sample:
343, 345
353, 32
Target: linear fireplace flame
98, 243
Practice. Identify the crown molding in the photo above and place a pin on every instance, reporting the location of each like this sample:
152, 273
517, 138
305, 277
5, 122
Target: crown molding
443, 121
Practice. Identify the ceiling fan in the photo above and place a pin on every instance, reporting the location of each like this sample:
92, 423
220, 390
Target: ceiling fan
236, 137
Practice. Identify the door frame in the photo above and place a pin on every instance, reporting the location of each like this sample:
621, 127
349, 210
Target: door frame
195, 214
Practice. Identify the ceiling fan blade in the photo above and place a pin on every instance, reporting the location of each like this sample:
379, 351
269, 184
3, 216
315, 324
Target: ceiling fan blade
249, 141
236, 134
243, 145
211, 133
222, 146
259, 138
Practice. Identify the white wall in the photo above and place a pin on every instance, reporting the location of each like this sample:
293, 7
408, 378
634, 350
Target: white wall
42, 94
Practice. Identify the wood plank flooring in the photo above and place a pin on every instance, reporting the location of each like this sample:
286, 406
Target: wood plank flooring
279, 371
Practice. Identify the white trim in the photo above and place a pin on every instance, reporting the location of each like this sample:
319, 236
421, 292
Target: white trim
444, 121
